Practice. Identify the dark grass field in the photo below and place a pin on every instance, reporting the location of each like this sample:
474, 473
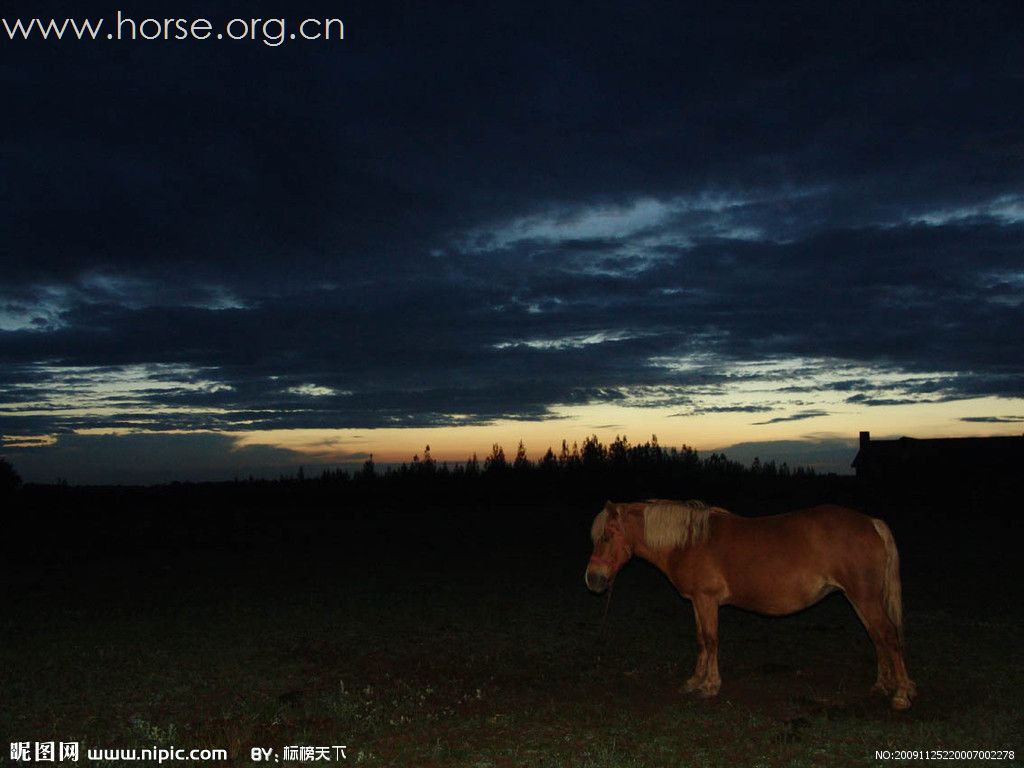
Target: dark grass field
454, 641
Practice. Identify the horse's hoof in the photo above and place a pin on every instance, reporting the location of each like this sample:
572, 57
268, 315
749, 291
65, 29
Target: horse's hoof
900, 702
691, 685
709, 691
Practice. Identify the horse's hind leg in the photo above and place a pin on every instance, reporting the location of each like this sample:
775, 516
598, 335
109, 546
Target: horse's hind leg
892, 671
705, 679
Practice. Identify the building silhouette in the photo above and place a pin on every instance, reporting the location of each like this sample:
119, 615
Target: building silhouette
965, 461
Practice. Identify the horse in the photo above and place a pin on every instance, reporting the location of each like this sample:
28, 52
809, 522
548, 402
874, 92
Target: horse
774, 565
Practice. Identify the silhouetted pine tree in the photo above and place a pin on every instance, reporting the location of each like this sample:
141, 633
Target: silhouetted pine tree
10, 480
549, 464
368, 471
521, 463
428, 466
496, 461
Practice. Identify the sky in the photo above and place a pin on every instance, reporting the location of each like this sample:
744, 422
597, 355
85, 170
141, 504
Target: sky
750, 227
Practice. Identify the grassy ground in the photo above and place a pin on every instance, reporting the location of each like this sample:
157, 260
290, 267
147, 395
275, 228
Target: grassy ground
474, 655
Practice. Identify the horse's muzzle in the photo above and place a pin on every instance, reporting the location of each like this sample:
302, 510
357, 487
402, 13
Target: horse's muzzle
597, 582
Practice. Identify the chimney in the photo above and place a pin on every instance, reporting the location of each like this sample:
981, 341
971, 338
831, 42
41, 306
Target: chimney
865, 438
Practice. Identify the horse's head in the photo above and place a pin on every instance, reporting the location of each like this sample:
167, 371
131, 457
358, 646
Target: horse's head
611, 550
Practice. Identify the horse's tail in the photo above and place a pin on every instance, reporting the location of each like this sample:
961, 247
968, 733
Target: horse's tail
892, 591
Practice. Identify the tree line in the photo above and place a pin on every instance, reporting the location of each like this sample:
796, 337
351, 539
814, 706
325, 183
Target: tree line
584, 473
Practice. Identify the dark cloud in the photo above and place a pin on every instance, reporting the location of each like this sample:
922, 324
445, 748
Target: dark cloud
464, 214
863, 399
794, 417
993, 419
703, 409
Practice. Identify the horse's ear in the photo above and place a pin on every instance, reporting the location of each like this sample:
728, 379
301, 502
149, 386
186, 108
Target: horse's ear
611, 508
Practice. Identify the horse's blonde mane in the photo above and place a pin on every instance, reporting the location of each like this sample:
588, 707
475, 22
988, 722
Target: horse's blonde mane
669, 524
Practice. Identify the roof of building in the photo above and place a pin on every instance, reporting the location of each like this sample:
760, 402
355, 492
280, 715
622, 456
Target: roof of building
963, 450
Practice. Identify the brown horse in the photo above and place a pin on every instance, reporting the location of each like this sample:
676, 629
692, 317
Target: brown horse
774, 565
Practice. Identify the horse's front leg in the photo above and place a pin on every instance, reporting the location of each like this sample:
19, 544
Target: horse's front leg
706, 680
700, 671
